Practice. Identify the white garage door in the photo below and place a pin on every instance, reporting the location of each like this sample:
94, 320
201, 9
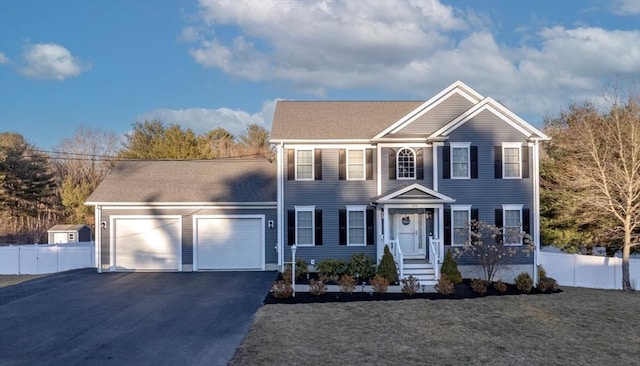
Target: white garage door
228, 243
147, 243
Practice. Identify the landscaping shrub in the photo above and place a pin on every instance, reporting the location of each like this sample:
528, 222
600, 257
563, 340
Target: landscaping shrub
547, 284
387, 267
410, 285
524, 282
301, 269
445, 286
332, 268
450, 268
500, 286
347, 284
541, 272
361, 265
281, 289
479, 286
379, 284
317, 287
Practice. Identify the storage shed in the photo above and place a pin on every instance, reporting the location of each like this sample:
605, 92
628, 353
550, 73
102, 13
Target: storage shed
60, 234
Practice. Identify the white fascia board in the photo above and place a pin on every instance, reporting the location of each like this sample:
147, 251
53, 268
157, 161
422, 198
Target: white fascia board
320, 141
457, 86
404, 144
169, 205
486, 104
439, 197
330, 146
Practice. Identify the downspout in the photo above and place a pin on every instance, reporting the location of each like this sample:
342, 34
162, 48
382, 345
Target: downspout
536, 208
379, 172
280, 206
98, 238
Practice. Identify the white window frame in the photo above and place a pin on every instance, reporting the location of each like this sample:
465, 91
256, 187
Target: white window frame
461, 145
357, 208
511, 207
512, 145
312, 163
311, 209
398, 164
364, 164
460, 208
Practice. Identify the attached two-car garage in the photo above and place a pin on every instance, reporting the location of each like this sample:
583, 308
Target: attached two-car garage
154, 243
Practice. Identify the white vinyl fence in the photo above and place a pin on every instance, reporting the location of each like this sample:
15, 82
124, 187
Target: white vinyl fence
588, 271
46, 258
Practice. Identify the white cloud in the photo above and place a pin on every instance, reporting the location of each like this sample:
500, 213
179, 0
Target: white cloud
51, 61
412, 47
626, 7
3, 59
205, 119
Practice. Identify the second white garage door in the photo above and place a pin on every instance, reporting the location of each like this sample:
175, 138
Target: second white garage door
229, 242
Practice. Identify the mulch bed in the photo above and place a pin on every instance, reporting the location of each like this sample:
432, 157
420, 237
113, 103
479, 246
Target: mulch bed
462, 291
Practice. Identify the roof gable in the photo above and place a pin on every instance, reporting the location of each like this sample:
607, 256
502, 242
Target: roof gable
413, 193
492, 106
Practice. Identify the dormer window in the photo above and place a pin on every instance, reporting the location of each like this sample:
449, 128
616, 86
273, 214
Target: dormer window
406, 164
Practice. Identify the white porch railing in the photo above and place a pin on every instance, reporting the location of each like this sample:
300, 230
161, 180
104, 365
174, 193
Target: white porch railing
434, 256
397, 255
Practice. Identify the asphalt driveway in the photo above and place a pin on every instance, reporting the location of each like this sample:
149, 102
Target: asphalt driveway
85, 318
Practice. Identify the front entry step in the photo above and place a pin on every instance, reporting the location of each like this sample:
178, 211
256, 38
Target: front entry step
420, 269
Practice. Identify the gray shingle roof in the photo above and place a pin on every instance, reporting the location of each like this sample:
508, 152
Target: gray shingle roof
350, 120
67, 227
240, 181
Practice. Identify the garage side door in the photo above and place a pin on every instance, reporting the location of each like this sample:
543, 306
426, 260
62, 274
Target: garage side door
147, 243
228, 243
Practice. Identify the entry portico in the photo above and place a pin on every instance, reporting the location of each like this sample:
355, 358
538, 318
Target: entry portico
411, 224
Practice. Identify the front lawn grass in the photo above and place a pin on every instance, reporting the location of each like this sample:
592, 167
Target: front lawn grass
576, 327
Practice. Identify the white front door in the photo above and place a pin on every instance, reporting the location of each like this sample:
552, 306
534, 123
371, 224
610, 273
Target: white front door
408, 235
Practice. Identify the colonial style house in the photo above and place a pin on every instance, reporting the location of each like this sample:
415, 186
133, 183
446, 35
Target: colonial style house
350, 177
356, 176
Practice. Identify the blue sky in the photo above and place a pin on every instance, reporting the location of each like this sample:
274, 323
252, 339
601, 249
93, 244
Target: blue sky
204, 64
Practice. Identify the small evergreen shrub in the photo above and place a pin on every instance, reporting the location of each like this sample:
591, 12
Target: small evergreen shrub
479, 286
387, 267
301, 269
317, 287
332, 268
541, 272
524, 282
547, 284
362, 265
500, 287
445, 286
347, 284
379, 284
450, 268
410, 285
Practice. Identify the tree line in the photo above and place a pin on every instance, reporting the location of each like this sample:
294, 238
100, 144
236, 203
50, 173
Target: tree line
39, 189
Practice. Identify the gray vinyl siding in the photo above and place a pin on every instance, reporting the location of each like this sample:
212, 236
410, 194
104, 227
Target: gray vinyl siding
271, 239
329, 195
486, 193
439, 116
388, 185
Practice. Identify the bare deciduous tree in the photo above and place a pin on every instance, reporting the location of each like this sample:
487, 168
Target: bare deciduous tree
597, 151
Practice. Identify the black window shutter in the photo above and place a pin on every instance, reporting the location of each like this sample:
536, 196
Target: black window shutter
291, 227
446, 162
525, 162
318, 227
474, 214
447, 226
498, 217
474, 228
419, 164
369, 157
392, 164
318, 164
342, 224
474, 162
342, 164
526, 222
497, 159
291, 164
371, 219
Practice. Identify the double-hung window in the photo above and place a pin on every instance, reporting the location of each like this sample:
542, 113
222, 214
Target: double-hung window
304, 164
305, 225
460, 160
511, 160
355, 164
460, 219
512, 225
356, 225
406, 164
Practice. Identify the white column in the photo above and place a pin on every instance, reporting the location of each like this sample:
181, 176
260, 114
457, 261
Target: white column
280, 205
386, 237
